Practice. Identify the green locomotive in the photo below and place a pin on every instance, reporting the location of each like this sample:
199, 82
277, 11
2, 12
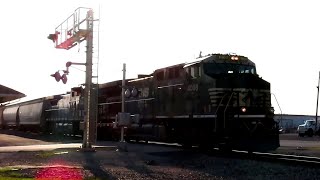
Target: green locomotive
217, 101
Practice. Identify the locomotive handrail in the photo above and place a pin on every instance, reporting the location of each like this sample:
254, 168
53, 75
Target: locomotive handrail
224, 113
278, 106
215, 123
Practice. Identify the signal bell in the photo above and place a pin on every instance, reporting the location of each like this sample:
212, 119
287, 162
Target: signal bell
68, 64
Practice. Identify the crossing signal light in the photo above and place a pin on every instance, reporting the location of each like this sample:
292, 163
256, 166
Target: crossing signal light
53, 37
64, 78
57, 76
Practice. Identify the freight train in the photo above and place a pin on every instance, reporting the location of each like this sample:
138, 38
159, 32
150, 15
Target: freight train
218, 100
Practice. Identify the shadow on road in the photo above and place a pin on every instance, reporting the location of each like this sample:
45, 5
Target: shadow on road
93, 164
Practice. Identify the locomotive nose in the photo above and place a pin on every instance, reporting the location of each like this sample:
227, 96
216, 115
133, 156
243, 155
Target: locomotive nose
248, 81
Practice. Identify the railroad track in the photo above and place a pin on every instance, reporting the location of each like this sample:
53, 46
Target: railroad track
258, 156
281, 158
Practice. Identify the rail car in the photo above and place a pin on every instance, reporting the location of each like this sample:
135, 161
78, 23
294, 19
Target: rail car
52, 114
26, 115
218, 100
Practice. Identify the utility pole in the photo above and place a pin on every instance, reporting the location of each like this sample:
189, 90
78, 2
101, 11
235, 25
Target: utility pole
90, 115
67, 35
317, 104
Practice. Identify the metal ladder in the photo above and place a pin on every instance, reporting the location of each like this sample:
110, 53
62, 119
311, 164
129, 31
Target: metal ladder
224, 113
220, 103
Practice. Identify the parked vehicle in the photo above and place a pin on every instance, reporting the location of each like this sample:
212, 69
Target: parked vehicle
308, 128
282, 130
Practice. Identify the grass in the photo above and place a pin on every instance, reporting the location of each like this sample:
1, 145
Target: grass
14, 178
12, 174
47, 154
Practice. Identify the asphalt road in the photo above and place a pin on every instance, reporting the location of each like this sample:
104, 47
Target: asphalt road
32, 142
12, 140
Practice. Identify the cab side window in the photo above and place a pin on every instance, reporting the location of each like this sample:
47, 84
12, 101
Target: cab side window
195, 71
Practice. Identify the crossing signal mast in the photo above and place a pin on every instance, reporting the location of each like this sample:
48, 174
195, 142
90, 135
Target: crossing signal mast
71, 32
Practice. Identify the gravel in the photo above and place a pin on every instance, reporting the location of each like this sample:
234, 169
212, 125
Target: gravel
145, 161
148, 162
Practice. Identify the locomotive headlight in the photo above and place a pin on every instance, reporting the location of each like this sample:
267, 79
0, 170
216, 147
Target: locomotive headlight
243, 109
234, 58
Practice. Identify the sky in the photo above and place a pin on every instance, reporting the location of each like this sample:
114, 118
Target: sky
281, 37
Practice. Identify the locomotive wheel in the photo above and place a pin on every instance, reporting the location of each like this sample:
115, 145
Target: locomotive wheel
186, 145
205, 147
225, 148
128, 140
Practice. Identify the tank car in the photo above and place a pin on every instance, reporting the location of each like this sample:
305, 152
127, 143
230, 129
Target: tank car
218, 100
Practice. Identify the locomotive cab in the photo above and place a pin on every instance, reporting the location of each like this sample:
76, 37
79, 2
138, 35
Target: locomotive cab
241, 101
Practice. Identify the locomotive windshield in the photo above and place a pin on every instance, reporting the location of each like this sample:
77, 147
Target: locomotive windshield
212, 69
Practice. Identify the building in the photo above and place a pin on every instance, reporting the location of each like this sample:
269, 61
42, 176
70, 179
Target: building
291, 122
8, 94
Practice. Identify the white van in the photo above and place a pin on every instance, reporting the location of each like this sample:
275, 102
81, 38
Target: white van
308, 128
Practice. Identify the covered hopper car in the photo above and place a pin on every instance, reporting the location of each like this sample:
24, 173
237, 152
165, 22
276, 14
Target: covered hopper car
48, 114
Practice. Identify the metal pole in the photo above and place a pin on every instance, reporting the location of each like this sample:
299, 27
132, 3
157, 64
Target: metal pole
89, 119
317, 104
122, 97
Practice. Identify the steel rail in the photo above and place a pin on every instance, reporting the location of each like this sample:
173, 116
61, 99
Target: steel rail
257, 156
281, 158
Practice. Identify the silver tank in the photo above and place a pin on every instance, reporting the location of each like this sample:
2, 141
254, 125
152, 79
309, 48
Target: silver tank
10, 116
30, 114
